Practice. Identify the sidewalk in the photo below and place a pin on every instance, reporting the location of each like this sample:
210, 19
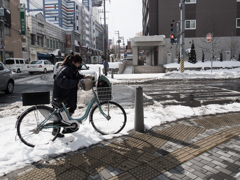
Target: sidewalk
198, 148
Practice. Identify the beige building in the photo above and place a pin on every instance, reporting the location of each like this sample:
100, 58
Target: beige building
12, 36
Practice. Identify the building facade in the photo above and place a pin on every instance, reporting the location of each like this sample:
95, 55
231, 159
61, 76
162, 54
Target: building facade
221, 18
10, 35
42, 38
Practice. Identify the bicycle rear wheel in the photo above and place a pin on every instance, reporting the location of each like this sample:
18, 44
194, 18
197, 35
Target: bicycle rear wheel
114, 123
28, 126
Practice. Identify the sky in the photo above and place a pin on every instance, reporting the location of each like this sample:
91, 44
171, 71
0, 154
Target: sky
124, 16
14, 154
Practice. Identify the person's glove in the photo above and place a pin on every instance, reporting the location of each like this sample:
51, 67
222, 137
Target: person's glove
89, 77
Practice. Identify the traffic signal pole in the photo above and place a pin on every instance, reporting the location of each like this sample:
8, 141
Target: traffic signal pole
182, 33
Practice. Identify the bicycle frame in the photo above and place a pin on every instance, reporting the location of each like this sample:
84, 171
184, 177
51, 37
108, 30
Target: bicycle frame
90, 105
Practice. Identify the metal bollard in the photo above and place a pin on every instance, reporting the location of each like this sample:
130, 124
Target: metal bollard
112, 73
139, 116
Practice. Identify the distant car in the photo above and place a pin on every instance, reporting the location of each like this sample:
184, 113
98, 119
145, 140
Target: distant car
16, 64
84, 70
40, 66
6, 79
33, 62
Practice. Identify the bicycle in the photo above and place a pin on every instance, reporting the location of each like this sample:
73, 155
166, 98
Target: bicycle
35, 125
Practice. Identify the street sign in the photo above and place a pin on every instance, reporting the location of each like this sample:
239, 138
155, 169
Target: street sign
209, 37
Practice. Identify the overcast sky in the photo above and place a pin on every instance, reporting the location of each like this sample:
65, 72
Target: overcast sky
124, 16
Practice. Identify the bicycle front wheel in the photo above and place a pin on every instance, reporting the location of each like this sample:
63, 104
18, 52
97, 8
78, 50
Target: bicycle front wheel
28, 126
114, 122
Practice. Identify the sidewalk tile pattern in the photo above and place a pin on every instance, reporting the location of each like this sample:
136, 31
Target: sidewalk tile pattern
206, 148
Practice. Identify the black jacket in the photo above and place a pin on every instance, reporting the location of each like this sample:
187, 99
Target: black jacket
66, 84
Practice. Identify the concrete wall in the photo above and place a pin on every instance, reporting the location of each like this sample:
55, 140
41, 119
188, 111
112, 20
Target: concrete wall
148, 69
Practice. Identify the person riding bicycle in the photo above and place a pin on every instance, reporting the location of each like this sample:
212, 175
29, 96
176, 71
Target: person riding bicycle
66, 84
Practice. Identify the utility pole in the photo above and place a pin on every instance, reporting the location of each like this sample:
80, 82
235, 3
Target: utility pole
2, 44
105, 44
182, 33
118, 41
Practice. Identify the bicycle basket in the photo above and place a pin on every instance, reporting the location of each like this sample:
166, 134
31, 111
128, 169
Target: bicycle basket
104, 89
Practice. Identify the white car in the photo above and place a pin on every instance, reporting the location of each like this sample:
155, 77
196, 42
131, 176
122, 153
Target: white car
6, 79
84, 70
40, 66
16, 64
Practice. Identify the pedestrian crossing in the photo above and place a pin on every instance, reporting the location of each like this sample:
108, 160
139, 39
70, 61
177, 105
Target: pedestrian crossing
193, 95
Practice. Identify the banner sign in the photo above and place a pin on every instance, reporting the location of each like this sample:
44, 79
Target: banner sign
22, 19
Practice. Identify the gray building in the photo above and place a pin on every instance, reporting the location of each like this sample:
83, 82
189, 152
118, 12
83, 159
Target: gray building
42, 37
221, 18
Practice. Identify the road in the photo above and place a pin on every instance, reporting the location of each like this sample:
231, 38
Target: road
189, 93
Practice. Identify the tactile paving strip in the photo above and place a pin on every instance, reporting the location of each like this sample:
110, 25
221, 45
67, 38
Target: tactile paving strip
179, 133
146, 157
35, 174
219, 121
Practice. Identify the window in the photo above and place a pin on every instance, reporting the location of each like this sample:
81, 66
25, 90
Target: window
56, 45
21, 61
238, 22
48, 43
7, 31
53, 44
6, 4
190, 1
190, 24
32, 39
39, 41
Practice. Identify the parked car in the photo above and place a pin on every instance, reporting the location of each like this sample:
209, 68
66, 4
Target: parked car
16, 64
6, 79
40, 66
84, 70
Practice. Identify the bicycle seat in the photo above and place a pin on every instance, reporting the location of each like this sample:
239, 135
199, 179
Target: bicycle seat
57, 102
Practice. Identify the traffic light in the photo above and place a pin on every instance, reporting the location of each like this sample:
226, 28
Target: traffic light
172, 39
173, 26
173, 31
